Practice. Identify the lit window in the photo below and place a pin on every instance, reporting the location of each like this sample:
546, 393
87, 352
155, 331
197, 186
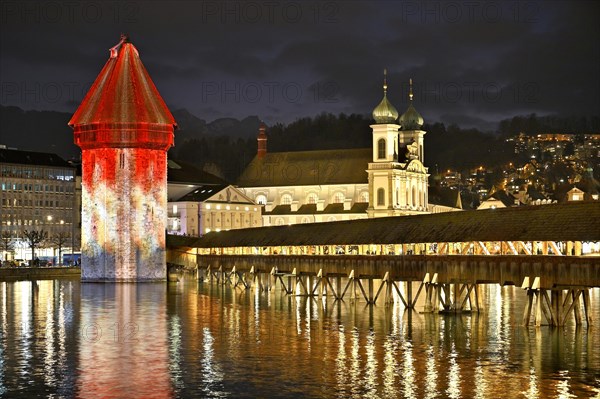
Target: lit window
338, 198
174, 208
363, 197
312, 198
261, 199
286, 199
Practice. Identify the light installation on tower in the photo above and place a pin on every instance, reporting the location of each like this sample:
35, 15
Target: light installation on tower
124, 129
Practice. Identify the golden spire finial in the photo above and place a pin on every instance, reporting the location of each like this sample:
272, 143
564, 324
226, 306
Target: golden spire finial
384, 81
410, 92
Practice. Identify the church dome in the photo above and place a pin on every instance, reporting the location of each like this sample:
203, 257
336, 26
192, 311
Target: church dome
411, 119
385, 112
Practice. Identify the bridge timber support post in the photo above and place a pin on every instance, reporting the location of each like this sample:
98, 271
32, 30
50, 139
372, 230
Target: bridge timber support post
558, 307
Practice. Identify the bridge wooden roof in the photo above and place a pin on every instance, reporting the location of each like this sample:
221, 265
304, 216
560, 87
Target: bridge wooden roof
556, 222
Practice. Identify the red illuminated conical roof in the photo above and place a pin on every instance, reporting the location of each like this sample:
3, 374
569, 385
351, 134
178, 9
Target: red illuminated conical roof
123, 93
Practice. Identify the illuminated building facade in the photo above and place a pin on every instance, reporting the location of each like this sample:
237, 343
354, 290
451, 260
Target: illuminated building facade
212, 208
124, 130
387, 179
37, 192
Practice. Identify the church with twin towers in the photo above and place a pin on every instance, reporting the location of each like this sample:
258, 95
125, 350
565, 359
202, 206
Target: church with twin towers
388, 179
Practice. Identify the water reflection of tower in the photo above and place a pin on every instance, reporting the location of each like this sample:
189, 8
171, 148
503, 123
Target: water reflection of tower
124, 130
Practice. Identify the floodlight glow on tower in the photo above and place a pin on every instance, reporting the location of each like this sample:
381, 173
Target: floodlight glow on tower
124, 129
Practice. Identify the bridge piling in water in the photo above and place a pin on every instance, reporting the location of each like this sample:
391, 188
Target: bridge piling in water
558, 295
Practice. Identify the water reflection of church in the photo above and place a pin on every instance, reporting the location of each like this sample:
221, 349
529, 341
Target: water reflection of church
388, 179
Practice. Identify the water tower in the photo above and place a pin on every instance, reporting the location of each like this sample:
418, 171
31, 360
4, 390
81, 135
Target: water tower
124, 129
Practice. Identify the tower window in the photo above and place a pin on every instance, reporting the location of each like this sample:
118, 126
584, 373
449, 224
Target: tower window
381, 150
380, 196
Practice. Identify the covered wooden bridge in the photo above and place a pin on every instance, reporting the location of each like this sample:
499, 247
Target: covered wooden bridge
544, 248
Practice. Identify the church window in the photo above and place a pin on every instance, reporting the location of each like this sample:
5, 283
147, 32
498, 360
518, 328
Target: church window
261, 199
312, 198
338, 198
380, 196
363, 197
286, 199
381, 150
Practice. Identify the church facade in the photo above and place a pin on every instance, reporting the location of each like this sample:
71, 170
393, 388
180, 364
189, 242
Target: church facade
388, 179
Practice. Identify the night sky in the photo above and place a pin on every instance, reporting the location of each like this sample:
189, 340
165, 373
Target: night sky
473, 63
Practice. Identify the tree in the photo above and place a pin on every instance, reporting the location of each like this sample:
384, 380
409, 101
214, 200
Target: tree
6, 241
59, 240
34, 238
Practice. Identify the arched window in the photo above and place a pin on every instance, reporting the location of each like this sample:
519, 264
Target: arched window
380, 196
279, 222
261, 199
338, 198
414, 196
381, 152
331, 219
305, 219
363, 197
312, 198
286, 199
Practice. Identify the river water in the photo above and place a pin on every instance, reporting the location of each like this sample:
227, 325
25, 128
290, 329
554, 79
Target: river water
62, 338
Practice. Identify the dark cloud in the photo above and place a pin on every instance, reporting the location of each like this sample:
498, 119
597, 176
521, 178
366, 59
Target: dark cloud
472, 62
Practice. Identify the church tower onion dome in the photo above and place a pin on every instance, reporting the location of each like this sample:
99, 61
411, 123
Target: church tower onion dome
411, 119
385, 112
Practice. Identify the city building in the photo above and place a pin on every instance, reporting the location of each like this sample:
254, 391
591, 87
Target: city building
38, 192
387, 179
200, 202
212, 208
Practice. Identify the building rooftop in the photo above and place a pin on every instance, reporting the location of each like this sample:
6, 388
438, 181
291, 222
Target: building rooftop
304, 168
556, 222
123, 93
32, 158
183, 172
